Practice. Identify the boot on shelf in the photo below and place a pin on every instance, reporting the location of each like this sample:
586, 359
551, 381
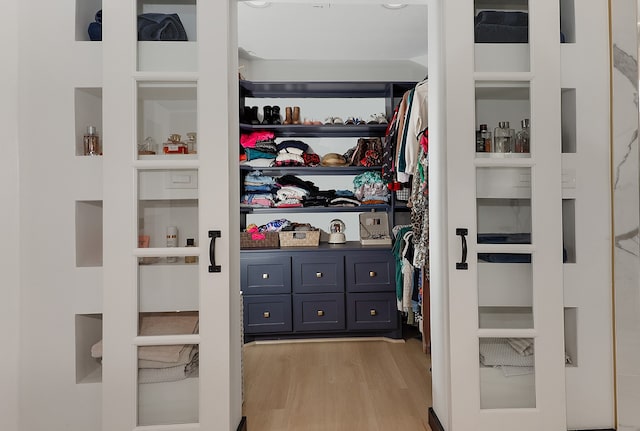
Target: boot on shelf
296, 115
253, 115
288, 119
275, 115
266, 116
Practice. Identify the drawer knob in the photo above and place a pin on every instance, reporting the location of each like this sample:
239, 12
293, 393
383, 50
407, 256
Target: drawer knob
318, 275
320, 313
373, 312
372, 274
266, 314
265, 276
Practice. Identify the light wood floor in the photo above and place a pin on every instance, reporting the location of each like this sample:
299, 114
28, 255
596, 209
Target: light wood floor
336, 386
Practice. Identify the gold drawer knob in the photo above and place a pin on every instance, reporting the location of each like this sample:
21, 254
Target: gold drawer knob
266, 314
372, 274
373, 312
320, 313
265, 276
318, 275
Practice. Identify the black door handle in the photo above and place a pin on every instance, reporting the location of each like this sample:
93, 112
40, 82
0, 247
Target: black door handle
213, 234
463, 237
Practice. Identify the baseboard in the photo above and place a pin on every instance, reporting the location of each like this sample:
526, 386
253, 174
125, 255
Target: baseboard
242, 426
434, 422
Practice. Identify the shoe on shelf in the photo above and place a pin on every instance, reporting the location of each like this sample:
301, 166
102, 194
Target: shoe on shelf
288, 116
381, 119
359, 121
328, 121
373, 119
275, 115
337, 120
350, 120
266, 116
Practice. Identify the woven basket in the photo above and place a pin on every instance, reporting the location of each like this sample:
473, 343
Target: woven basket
307, 238
271, 240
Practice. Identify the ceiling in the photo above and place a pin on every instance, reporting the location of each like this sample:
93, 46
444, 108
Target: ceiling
330, 31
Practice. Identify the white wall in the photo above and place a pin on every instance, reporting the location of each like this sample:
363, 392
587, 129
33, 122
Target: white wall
286, 70
9, 219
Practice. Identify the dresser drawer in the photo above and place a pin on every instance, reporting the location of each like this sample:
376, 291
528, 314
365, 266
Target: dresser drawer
313, 274
370, 272
318, 312
372, 311
265, 275
267, 313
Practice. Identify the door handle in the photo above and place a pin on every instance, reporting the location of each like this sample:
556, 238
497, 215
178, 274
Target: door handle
463, 238
213, 234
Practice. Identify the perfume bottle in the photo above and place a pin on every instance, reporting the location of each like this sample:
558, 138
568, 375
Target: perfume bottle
192, 143
191, 259
485, 134
172, 241
522, 137
91, 142
174, 145
503, 138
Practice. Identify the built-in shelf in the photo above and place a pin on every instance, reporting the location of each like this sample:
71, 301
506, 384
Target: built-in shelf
85, 14
568, 120
569, 230
284, 131
88, 112
571, 334
88, 233
88, 331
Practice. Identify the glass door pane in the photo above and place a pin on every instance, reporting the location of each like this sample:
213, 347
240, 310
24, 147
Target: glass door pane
507, 373
167, 121
168, 384
167, 35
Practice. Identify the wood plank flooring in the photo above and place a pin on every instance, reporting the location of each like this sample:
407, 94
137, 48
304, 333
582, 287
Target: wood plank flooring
358, 385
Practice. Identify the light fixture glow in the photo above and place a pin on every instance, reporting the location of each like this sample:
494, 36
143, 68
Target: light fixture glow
394, 5
258, 3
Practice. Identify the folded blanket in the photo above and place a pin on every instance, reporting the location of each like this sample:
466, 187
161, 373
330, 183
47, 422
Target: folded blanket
185, 356
169, 324
160, 26
498, 352
157, 375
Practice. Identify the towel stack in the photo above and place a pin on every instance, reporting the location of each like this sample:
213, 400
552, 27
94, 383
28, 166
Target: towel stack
166, 363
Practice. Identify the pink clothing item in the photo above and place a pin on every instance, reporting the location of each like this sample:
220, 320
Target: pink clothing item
249, 141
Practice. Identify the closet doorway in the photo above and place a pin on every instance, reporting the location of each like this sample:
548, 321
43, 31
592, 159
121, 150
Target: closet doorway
354, 383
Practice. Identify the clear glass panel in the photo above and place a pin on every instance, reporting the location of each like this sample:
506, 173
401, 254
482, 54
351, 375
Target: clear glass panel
501, 30
167, 120
505, 290
167, 35
503, 113
168, 217
507, 373
168, 384
503, 205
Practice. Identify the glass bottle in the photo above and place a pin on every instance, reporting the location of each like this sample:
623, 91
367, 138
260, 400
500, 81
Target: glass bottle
172, 241
191, 259
486, 137
192, 143
503, 138
91, 142
522, 137
174, 145
479, 142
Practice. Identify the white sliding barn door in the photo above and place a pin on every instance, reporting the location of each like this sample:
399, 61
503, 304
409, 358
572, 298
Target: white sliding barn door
504, 217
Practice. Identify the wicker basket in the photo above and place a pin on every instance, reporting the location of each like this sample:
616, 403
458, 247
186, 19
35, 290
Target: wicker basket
307, 238
271, 240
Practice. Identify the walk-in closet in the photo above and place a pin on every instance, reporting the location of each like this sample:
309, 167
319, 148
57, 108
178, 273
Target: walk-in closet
289, 215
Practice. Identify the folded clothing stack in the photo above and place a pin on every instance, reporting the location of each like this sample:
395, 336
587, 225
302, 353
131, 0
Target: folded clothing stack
369, 188
167, 363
